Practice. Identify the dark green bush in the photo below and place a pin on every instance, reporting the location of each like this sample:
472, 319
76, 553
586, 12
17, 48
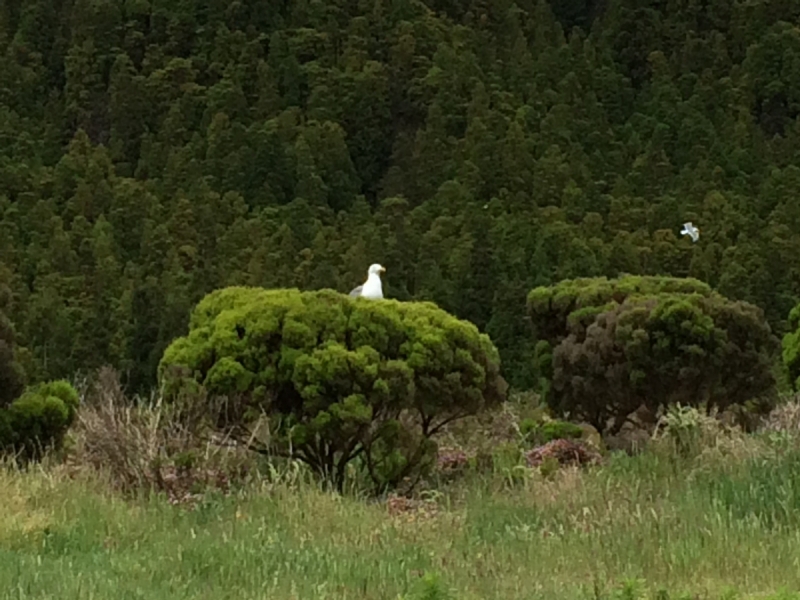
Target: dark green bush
791, 348
38, 419
606, 347
339, 378
559, 310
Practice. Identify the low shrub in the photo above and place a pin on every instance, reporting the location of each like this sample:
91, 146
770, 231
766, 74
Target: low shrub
541, 432
38, 419
791, 348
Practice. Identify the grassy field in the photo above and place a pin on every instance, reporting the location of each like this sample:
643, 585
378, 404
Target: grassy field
724, 523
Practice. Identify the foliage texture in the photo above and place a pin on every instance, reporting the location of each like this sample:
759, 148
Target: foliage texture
38, 419
338, 378
791, 348
605, 348
153, 152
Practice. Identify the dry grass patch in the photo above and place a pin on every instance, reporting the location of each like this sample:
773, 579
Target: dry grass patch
785, 417
147, 445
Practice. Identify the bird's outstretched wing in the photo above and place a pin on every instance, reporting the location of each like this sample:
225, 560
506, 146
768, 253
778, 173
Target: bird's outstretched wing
356, 291
691, 231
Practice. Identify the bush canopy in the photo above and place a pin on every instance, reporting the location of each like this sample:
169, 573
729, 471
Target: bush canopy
38, 419
339, 378
606, 347
791, 348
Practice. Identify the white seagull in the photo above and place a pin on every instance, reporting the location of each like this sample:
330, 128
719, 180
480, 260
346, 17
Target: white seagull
372, 287
691, 231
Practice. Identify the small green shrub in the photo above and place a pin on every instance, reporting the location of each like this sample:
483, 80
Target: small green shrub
38, 419
339, 379
560, 430
538, 432
791, 348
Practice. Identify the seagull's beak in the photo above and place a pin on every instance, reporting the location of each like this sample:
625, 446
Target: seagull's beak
383, 269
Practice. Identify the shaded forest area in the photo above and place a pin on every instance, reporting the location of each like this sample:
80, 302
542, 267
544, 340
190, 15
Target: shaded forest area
153, 151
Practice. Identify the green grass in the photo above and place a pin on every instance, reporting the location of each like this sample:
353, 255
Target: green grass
724, 526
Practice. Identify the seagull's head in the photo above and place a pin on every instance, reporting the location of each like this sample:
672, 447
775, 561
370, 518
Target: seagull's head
376, 269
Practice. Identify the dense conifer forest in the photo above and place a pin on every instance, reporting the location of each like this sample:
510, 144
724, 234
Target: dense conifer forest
153, 151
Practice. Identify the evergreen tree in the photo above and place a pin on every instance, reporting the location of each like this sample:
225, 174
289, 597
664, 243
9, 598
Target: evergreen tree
154, 152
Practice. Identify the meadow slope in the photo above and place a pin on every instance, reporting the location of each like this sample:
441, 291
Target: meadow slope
723, 523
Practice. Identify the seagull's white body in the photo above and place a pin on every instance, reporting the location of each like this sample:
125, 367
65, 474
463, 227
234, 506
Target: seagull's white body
372, 288
690, 230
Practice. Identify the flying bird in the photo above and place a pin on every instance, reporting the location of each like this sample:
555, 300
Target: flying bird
691, 231
371, 288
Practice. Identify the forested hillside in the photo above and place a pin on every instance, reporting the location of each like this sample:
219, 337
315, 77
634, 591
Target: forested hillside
153, 151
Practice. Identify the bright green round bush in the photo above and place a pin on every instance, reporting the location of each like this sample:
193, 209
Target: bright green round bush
791, 348
38, 419
339, 378
607, 347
